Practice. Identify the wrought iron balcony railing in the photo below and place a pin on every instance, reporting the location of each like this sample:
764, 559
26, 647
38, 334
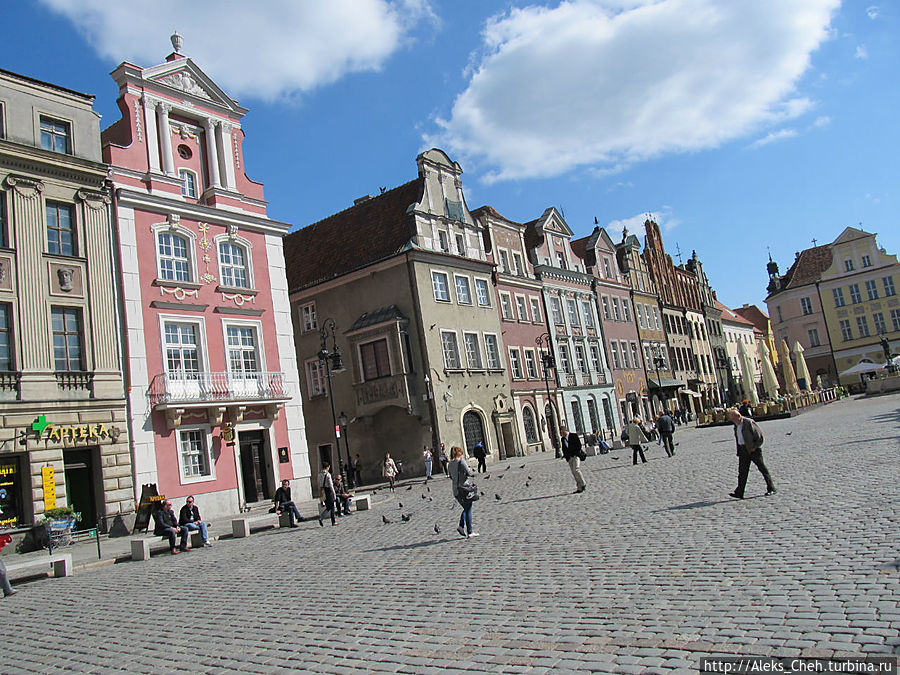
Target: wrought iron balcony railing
203, 387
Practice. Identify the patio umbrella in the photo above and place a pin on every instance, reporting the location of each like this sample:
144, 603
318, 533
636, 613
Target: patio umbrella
803, 378
862, 367
747, 374
770, 382
787, 369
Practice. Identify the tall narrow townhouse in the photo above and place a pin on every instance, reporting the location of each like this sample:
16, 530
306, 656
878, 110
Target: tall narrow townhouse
399, 285
213, 383
739, 330
535, 391
63, 438
654, 343
570, 306
617, 323
712, 349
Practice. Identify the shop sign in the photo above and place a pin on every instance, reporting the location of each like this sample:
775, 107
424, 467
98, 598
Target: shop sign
48, 483
9, 486
76, 432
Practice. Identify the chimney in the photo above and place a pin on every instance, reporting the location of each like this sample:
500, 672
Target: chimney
360, 200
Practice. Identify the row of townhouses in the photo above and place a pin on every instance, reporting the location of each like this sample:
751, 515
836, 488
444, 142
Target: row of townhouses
160, 334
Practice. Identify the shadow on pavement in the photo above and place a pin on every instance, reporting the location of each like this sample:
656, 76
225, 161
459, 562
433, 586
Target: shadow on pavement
419, 544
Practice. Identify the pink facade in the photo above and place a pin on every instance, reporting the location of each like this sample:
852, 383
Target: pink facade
211, 367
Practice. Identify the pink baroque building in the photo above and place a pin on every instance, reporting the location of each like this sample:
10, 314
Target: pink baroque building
211, 369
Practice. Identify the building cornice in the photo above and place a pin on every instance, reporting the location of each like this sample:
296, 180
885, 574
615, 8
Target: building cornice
29, 159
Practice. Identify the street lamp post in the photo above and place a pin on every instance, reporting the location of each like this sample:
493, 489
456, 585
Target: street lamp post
658, 361
332, 362
548, 362
350, 478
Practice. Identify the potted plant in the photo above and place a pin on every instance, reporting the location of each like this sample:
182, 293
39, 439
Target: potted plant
58, 523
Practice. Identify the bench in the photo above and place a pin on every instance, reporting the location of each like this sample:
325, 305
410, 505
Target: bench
240, 527
140, 547
363, 502
61, 562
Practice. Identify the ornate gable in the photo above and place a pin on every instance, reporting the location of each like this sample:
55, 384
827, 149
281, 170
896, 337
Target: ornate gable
184, 78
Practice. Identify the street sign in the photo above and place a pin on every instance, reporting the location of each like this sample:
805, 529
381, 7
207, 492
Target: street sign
48, 483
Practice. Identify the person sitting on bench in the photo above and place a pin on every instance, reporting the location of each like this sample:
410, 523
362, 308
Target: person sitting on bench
190, 518
283, 502
166, 525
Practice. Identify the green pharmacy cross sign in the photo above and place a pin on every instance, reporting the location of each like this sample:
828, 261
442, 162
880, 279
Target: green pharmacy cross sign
77, 432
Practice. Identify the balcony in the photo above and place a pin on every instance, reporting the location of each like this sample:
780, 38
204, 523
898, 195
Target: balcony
374, 395
192, 390
9, 385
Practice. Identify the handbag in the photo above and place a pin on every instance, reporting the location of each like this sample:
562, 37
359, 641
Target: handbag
467, 490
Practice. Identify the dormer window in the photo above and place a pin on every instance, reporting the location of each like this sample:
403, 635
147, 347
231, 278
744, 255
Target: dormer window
188, 183
848, 265
174, 259
561, 260
56, 136
866, 261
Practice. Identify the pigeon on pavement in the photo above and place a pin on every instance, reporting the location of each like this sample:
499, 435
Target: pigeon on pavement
437, 528
385, 520
497, 497
405, 517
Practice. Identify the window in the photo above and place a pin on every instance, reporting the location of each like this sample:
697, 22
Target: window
607, 268
588, 314
517, 261
656, 318
895, 319
194, 453
243, 356
515, 363
604, 302
441, 290
522, 307
315, 377
855, 297
576, 417
68, 342
862, 325
635, 360
639, 310
55, 136
460, 244
531, 435
561, 260
375, 359
572, 308
806, 305
451, 350
463, 291
530, 364
6, 356
233, 265
506, 310
813, 335
866, 261
838, 294
182, 352
626, 313
556, 311
595, 358
564, 361
482, 293
443, 242
188, 183
61, 229
580, 359
492, 352
872, 290
504, 261
308, 317
614, 351
473, 351
846, 332
174, 260
778, 311
4, 222
889, 286
625, 363
878, 320
535, 309
592, 414
616, 312
848, 265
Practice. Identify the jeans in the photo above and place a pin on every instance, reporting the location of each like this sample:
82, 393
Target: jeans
171, 533
344, 505
575, 467
427, 469
193, 527
329, 507
465, 518
4, 580
668, 444
293, 513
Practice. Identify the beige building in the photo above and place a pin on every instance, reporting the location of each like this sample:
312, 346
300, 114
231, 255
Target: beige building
61, 390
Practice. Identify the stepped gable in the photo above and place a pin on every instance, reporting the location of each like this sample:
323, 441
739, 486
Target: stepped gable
367, 232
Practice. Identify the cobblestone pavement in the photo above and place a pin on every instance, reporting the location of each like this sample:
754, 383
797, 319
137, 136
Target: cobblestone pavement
650, 569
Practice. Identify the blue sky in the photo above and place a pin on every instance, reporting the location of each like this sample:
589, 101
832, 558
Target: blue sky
742, 126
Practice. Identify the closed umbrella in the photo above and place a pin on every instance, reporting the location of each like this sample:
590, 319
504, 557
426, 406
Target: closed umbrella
747, 374
770, 382
803, 378
787, 370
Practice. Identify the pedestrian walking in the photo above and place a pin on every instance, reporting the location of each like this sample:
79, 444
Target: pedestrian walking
637, 436
665, 426
326, 494
4, 579
464, 490
389, 470
357, 471
744, 408
189, 517
426, 454
571, 449
445, 461
480, 454
749, 440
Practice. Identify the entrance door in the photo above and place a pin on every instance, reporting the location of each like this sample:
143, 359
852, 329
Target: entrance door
509, 440
255, 466
474, 431
80, 485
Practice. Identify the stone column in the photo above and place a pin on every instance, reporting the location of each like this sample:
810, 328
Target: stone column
226, 158
152, 133
165, 135
212, 153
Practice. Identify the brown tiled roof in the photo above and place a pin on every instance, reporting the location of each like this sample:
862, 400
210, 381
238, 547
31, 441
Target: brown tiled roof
732, 315
368, 232
489, 210
754, 315
808, 268
579, 246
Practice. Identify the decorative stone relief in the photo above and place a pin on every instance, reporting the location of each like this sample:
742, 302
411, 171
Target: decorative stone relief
64, 275
183, 81
26, 187
232, 230
238, 298
6, 275
179, 293
183, 130
205, 245
96, 200
139, 130
237, 155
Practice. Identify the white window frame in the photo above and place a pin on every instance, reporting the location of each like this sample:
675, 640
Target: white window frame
581, 359
487, 292
806, 306
472, 339
556, 312
456, 279
443, 241
588, 314
872, 289
572, 312
518, 264
607, 268
309, 320
315, 382
531, 370
564, 359
866, 261
517, 372
626, 358
522, 308
626, 312
206, 432
504, 261
435, 274
614, 353
507, 312
202, 351
495, 353
594, 351
604, 303
656, 318
459, 363
238, 381
183, 175
617, 313
191, 239
535, 302
248, 259
639, 310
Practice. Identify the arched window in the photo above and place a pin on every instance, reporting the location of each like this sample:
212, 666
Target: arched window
233, 265
577, 419
531, 434
473, 430
188, 183
174, 259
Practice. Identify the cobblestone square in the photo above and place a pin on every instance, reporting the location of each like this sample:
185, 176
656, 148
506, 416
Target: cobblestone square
650, 569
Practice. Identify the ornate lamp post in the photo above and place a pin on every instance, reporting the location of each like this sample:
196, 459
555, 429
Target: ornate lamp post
332, 362
658, 361
350, 478
548, 362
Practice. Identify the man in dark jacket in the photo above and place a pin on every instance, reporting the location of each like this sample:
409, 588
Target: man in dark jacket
283, 502
189, 518
749, 440
480, 454
571, 449
165, 525
665, 425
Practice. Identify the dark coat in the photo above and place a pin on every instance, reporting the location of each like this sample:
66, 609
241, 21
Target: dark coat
665, 424
753, 437
282, 496
571, 446
163, 519
188, 514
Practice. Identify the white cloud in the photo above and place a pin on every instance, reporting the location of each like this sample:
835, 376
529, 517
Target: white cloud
872, 11
265, 50
773, 137
635, 224
821, 122
606, 83
861, 52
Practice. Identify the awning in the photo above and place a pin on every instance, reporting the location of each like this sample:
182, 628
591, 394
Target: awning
691, 392
664, 383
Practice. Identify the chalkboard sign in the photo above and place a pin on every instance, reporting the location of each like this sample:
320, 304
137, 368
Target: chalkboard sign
150, 500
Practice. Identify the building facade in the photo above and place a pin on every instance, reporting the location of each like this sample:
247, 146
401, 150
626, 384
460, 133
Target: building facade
717, 359
62, 397
737, 330
211, 365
